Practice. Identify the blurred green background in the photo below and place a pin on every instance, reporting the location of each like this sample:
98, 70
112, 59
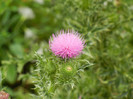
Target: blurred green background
106, 25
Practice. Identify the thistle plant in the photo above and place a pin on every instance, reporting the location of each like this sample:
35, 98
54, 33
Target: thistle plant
60, 65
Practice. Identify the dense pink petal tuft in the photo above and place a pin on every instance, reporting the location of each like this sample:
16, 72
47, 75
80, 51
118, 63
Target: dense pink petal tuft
66, 44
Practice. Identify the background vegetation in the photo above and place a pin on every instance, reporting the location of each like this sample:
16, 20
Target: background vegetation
106, 25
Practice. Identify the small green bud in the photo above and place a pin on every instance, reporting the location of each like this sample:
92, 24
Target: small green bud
69, 68
68, 71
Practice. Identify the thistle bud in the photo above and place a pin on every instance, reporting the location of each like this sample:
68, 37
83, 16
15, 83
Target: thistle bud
68, 71
69, 68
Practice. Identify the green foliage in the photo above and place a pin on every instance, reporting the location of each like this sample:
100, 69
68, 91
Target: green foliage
103, 71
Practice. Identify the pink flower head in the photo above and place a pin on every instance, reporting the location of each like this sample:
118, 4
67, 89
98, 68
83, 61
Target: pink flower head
66, 44
3, 95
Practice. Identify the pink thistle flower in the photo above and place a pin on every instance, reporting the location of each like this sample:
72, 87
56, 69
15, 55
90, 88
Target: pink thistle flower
66, 44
